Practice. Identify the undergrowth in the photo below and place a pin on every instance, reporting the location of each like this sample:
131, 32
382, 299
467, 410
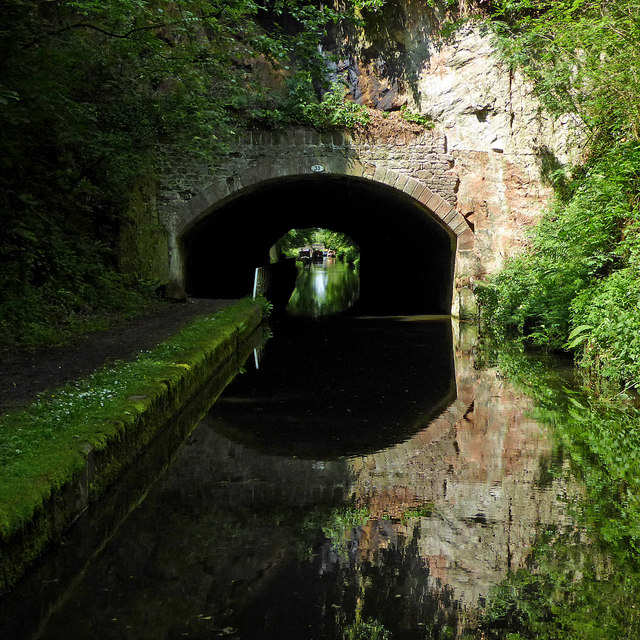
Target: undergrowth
54, 313
577, 287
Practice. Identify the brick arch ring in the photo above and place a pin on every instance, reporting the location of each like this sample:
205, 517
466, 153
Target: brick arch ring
224, 188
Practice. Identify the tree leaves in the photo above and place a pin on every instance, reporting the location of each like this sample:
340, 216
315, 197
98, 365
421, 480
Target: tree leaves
583, 56
88, 90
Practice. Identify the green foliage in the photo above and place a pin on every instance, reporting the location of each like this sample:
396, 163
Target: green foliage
577, 286
446, 3
334, 111
371, 5
425, 121
583, 56
342, 244
302, 106
265, 306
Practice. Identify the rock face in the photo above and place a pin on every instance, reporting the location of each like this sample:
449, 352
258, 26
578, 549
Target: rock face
502, 143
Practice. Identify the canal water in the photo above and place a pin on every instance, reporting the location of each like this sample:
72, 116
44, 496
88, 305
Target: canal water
363, 478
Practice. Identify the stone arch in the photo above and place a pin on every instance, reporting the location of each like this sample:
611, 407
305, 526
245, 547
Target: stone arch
223, 189
269, 157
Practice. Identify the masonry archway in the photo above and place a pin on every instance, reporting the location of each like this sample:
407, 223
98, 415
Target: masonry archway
407, 252
390, 195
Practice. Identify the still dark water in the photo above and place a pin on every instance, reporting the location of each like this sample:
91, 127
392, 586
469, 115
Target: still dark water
365, 480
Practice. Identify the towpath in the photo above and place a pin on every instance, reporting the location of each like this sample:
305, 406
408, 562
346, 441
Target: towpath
24, 375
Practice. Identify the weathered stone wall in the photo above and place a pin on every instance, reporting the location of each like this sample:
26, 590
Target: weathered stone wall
142, 243
410, 150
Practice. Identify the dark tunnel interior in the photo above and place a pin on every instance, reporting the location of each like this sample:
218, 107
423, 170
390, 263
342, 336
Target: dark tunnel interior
406, 259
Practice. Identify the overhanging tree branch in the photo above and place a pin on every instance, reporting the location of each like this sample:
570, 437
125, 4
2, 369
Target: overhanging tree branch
87, 25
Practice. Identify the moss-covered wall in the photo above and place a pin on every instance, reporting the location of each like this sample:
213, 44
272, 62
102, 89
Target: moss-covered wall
30, 526
143, 250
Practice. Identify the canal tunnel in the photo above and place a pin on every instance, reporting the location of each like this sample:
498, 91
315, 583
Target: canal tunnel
406, 255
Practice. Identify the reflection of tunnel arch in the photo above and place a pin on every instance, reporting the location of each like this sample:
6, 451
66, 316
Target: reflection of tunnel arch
407, 253
341, 387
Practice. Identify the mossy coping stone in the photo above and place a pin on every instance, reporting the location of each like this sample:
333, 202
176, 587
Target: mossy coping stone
67, 448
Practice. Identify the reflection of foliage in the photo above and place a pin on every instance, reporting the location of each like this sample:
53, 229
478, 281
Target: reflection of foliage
424, 511
385, 590
366, 630
338, 291
341, 522
335, 524
600, 438
582, 585
574, 594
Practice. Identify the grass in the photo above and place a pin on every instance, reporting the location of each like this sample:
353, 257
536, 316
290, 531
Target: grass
44, 445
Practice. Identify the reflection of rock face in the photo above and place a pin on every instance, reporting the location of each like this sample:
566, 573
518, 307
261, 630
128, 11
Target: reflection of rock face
476, 469
272, 546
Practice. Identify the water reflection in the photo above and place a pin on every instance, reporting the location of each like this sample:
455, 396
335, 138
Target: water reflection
324, 288
341, 387
254, 536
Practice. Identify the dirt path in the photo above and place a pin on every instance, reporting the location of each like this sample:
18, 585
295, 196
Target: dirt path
24, 375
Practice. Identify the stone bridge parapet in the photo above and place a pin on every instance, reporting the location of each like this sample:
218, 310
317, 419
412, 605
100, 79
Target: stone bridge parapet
413, 162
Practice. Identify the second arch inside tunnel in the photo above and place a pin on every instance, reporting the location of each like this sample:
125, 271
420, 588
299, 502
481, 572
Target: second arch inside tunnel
406, 254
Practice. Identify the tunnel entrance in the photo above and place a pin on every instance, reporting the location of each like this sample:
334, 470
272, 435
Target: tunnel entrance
406, 255
327, 280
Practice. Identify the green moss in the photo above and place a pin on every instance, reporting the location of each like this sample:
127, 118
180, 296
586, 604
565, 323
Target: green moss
67, 447
143, 251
